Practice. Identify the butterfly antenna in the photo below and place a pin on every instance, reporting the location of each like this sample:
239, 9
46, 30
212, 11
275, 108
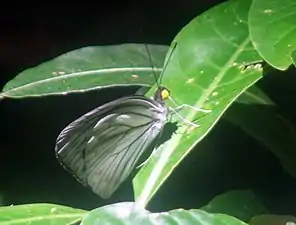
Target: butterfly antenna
167, 61
158, 82
150, 59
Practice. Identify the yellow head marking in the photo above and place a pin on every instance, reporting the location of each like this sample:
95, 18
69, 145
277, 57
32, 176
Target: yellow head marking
165, 94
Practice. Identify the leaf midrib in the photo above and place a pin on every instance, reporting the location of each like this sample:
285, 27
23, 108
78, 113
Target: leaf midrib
164, 157
84, 73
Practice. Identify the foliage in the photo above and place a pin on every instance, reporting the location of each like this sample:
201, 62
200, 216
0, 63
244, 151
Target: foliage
218, 59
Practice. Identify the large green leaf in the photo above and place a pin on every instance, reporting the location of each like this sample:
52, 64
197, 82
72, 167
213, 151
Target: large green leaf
242, 204
207, 69
89, 68
273, 220
39, 214
254, 96
258, 116
272, 26
128, 213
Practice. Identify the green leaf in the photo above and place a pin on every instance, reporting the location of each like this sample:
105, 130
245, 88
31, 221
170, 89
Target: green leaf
294, 58
39, 214
242, 204
273, 30
255, 108
89, 68
254, 96
128, 213
273, 220
207, 69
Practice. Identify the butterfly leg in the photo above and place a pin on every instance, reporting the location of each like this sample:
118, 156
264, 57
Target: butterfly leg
179, 107
192, 107
184, 119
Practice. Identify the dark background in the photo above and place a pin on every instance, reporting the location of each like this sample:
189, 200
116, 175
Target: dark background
227, 159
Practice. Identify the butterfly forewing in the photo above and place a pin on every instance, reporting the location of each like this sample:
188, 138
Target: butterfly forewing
103, 146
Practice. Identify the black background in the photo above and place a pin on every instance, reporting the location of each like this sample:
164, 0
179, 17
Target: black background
227, 159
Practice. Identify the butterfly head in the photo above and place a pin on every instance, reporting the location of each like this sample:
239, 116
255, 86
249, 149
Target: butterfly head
162, 94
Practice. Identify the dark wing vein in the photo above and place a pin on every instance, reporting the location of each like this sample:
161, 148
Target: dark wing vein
102, 147
112, 170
